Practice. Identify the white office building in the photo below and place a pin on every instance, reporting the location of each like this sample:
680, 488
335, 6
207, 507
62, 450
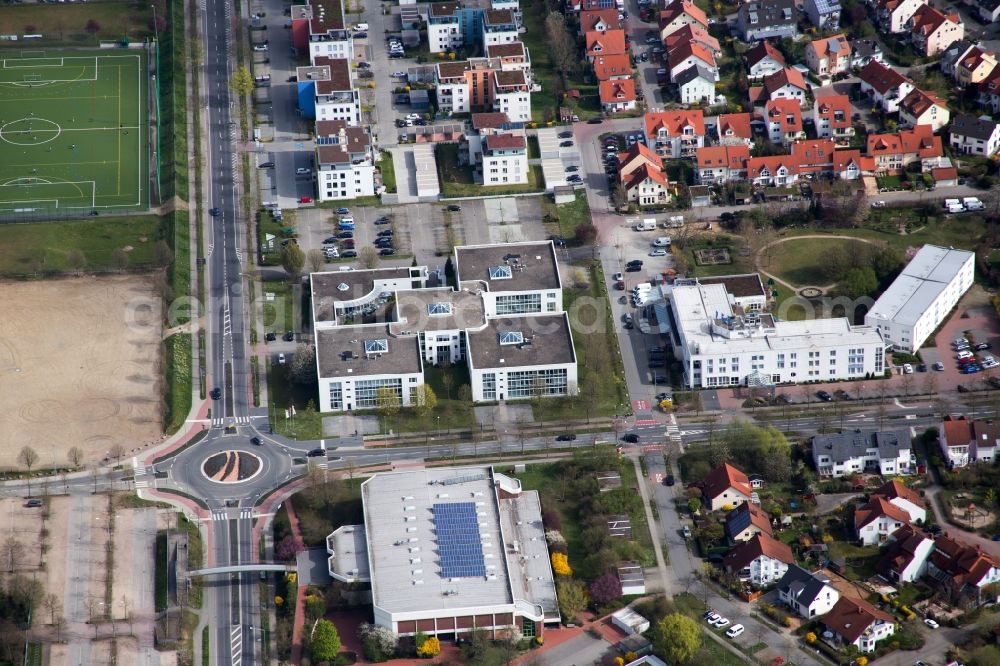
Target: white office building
380, 328
921, 297
721, 344
450, 550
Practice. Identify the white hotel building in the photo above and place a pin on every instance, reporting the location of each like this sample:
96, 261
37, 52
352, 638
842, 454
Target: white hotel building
721, 344
921, 297
381, 328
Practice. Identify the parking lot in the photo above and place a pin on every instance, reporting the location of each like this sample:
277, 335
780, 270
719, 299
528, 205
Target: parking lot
560, 157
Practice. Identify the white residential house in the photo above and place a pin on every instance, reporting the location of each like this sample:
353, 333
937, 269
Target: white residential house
444, 27
905, 558
858, 623
763, 60
512, 95
808, 594
905, 498
971, 135
963, 570
504, 160
862, 451
886, 86
824, 14
763, 560
876, 520
345, 167
965, 441
696, 85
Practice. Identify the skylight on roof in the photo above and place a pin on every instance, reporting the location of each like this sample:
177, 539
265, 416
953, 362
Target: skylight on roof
511, 338
439, 308
500, 273
376, 346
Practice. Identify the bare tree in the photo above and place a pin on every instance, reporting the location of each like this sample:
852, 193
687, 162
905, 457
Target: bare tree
117, 452
28, 457
75, 456
13, 552
368, 257
54, 606
907, 383
316, 259
561, 44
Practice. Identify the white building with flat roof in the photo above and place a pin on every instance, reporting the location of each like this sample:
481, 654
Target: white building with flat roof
378, 329
921, 297
721, 344
449, 550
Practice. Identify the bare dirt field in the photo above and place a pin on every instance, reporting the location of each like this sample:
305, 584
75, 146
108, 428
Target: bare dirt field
79, 366
24, 525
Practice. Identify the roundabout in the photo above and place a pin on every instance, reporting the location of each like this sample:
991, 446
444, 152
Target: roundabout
231, 466
30, 131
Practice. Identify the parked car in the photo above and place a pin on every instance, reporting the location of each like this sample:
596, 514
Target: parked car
931, 623
566, 135
824, 396
735, 631
669, 480
387, 252
907, 369
33, 503
266, 165
983, 345
454, 208
630, 437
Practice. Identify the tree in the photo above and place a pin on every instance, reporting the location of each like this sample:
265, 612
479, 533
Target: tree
302, 369
425, 400
561, 44
711, 532
117, 452
678, 637
293, 260
13, 553
378, 643
76, 260
572, 596
157, 23
315, 606
560, 565
287, 548
93, 27
316, 259
606, 588
388, 402
163, 256
586, 234
27, 458
75, 456
694, 505
368, 257
431, 647
324, 643
859, 282
242, 82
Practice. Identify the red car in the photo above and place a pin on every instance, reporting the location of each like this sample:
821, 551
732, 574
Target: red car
305, 200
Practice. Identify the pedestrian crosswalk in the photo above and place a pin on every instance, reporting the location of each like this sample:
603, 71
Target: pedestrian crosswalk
236, 645
140, 476
245, 513
222, 422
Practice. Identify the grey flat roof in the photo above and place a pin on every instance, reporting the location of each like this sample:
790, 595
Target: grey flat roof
921, 282
413, 310
402, 540
533, 265
843, 446
339, 286
348, 553
548, 341
341, 352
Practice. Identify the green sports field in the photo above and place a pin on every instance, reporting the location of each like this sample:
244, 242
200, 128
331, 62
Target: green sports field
73, 131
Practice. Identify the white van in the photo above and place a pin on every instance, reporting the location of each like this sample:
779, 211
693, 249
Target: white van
662, 241
735, 630
956, 208
646, 225
973, 203
361, 27
948, 203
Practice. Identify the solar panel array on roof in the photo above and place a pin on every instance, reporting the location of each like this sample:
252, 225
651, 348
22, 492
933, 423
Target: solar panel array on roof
460, 546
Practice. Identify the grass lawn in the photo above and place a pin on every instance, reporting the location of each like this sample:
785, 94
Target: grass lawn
279, 314
534, 152
797, 261
739, 263
46, 246
569, 216
450, 413
860, 560
66, 23
388, 171
177, 361
457, 180
599, 365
